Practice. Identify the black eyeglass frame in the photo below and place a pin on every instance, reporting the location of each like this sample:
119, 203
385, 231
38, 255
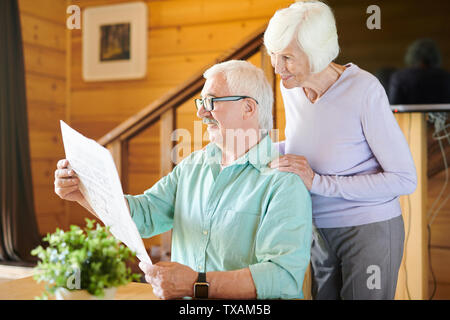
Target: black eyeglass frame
208, 102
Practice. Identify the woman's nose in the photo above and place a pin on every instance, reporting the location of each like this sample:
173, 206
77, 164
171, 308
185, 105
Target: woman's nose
278, 64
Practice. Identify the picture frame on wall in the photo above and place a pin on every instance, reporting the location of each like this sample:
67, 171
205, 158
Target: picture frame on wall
115, 42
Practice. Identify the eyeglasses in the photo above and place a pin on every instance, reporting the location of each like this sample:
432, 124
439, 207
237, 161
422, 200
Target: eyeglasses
208, 103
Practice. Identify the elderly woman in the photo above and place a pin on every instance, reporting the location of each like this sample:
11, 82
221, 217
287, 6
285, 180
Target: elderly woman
343, 141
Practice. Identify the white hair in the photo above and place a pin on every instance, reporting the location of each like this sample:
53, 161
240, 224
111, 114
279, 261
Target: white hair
313, 24
244, 79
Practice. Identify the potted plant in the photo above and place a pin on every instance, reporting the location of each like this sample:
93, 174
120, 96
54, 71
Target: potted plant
83, 263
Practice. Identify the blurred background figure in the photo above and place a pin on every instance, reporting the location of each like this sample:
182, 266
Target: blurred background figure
384, 76
423, 81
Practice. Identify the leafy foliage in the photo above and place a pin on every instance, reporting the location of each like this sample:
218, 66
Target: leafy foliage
92, 254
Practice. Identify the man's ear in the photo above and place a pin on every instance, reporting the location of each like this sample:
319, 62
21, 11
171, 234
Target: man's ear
249, 109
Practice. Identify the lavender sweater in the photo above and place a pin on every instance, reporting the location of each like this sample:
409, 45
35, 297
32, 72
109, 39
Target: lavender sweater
356, 148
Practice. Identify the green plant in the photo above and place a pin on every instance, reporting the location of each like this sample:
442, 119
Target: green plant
91, 254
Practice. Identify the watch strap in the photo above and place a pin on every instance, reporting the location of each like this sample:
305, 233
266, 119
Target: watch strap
201, 287
201, 277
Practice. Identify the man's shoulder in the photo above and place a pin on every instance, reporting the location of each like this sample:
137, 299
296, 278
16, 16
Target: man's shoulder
284, 180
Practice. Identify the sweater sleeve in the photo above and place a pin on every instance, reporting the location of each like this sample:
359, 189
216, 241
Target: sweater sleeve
280, 146
389, 146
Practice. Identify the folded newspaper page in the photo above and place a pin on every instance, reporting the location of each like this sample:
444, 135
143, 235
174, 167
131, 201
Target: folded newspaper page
100, 185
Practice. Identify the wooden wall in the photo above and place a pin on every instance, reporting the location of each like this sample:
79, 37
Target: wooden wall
183, 37
44, 45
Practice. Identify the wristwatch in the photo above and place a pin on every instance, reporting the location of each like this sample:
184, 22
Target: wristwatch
201, 287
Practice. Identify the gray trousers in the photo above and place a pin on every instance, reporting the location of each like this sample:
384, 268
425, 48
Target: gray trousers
357, 263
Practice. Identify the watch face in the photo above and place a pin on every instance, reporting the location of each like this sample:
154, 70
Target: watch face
201, 290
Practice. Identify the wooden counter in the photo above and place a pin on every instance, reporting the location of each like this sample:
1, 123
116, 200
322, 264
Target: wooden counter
28, 288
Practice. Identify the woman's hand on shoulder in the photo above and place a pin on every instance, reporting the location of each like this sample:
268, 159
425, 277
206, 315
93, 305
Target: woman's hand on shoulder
295, 164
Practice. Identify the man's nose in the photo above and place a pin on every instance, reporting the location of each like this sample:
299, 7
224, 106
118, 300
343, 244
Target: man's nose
202, 113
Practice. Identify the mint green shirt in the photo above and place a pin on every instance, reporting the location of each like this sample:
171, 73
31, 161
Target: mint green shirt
246, 215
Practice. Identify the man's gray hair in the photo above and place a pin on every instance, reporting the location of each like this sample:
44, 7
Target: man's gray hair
312, 23
244, 79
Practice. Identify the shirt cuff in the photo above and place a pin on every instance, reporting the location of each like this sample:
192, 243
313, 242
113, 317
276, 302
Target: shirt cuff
131, 203
266, 277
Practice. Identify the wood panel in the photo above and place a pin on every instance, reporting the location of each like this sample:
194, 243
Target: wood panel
43, 34
46, 201
43, 172
44, 61
280, 113
47, 10
44, 116
170, 13
191, 132
413, 273
45, 143
144, 158
77, 215
41, 88
113, 105
49, 221
168, 70
199, 38
190, 12
144, 166
192, 39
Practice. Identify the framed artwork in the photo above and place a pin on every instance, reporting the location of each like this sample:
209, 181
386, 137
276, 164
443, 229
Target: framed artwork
115, 42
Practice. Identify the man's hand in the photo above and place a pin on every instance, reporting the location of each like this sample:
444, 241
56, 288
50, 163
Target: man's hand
66, 182
295, 164
67, 185
170, 280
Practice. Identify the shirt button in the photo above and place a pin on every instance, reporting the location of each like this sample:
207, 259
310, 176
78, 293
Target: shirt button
205, 232
200, 267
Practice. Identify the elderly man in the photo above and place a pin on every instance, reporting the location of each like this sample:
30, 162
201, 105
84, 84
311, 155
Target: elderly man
240, 229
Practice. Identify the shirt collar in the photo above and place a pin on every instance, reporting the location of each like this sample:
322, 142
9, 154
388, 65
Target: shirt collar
259, 155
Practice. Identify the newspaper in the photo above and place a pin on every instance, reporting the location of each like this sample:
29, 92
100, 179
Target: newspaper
100, 185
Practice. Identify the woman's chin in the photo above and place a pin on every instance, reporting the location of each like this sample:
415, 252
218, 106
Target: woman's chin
289, 83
